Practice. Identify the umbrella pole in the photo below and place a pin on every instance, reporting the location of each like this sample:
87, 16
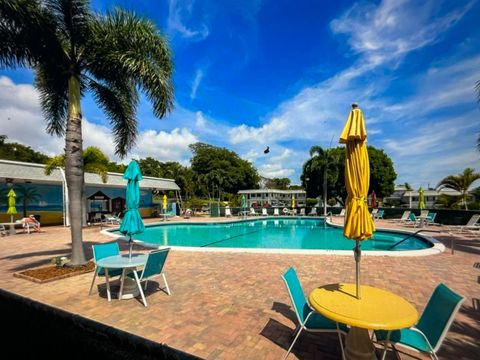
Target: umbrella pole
358, 254
131, 245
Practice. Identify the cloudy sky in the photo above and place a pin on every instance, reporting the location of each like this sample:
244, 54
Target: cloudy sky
251, 74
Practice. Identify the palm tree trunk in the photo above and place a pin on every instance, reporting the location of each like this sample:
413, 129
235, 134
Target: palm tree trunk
74, 169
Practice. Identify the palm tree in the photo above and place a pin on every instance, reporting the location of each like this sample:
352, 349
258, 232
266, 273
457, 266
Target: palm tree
26, 195
477, 88
461, 183
73, 50
324, 161
94, 161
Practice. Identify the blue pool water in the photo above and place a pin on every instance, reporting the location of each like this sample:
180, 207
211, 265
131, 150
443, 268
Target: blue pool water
278, 233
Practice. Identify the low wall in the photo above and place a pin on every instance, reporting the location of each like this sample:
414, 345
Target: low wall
33, 330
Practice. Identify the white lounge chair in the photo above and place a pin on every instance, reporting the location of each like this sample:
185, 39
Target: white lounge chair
302, 212
404, 217
313, 212
472, 224
3, 231
275, 212
228, 213
264, 212
342, 213
252, 212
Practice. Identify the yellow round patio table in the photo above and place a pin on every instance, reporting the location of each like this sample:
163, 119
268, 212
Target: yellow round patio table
377, 309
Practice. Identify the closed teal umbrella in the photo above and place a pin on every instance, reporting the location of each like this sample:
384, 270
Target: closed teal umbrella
132, 221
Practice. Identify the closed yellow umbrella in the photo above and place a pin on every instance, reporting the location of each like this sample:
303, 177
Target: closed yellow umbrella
293, 201
421, 198
358, 222
12, 210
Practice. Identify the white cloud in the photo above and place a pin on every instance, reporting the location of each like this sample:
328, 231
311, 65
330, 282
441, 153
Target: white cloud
178, 14
275, 171
380, 38
165, 146
22, 121
196, 82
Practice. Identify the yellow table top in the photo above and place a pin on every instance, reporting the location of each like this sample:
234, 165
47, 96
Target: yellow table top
377, 309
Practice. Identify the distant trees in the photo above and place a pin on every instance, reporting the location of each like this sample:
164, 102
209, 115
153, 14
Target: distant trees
382, 173
278, 183
461, 183
220, 168
18, 152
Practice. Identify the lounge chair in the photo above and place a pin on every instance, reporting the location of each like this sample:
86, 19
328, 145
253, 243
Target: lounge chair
404, 217
430, 220
427, 336
313, 212
342, 213
101, 251
228, 213
3, 231
378, 214
275, 212
153, 267
264, 212
111, 219
252, 212
302, 212
30, 223
374, 213
308, 319
472, 224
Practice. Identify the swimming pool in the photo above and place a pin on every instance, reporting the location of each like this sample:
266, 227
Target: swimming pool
273, 233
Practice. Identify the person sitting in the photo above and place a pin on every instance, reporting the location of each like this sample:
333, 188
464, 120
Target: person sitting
31, 222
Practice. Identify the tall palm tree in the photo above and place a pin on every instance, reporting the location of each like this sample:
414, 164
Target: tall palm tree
73, 50
477, 88
461, 183
324, 161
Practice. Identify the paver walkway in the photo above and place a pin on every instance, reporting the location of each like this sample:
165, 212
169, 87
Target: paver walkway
235, 305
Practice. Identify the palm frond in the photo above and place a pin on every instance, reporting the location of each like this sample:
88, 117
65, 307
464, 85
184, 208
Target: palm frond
99, 169
27, 34
120, 107
51, 80
132, 47
72, 18
53, 163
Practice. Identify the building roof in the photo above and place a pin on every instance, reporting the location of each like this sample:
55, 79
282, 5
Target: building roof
271, 191
25, 172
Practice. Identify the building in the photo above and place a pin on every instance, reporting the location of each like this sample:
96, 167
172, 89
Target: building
410, 198
274, 197
47, 194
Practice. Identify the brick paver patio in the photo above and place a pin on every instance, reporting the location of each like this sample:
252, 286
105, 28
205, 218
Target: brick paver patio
235, 305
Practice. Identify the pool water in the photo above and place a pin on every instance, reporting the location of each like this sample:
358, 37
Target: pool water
277, 233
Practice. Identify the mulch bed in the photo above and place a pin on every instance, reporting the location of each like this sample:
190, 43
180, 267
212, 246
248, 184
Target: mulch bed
53, 272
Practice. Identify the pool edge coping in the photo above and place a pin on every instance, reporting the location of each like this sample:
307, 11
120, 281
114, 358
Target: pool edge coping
437, 247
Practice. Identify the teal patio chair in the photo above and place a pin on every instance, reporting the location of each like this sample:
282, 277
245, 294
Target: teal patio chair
101, 251
153, 267
308, 319
428, 335
431, 219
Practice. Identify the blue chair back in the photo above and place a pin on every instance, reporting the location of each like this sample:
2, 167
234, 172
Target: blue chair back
431, 217
412, 217
101, 251
296, 294
155, 262
439, 314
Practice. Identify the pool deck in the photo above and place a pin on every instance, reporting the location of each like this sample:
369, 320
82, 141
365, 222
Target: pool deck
235, 305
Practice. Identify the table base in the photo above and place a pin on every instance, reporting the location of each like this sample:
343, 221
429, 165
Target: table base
130, 289
358, 345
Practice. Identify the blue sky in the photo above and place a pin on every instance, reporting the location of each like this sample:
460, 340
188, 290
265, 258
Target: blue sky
283, 73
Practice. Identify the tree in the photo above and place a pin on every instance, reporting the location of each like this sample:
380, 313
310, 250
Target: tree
2, 139
382, 173
18, 152
26, 195
320, 171
477, 88
278, 183
460, 183
220, 168
73, 50
94, 161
